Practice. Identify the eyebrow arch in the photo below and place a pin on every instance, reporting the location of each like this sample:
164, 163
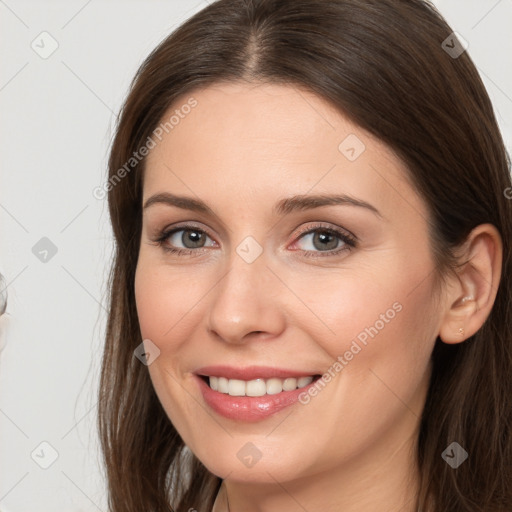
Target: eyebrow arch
282, 207
306, 202
186, 203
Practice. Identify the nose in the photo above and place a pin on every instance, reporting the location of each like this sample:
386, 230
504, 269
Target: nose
246, 302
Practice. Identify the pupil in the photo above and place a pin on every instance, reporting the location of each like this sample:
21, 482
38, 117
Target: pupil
324, 238
195, 237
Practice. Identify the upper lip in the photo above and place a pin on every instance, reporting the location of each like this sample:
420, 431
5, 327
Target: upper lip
251, 372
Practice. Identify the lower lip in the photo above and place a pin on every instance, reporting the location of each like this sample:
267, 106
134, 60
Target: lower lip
249, 408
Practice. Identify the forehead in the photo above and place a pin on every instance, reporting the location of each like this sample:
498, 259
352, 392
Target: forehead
271, 140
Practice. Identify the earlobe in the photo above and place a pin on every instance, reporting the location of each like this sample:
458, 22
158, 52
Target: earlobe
471, 298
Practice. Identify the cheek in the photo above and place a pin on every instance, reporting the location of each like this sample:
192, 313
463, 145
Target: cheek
380, 320
163, 299
366, 306
166, 314
387, 340
384, 337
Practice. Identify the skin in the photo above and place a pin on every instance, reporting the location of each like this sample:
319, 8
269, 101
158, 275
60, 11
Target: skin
240, 150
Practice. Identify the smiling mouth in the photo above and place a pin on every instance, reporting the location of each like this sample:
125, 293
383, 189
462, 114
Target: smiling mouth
257, 387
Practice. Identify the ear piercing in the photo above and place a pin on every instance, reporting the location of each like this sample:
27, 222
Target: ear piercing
461, 331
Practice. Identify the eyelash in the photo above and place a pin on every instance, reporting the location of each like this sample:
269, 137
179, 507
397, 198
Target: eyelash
350, 241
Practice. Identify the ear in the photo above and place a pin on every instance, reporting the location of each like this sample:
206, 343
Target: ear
472, 292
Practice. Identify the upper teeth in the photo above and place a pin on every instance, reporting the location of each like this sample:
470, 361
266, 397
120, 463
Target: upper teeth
257, 387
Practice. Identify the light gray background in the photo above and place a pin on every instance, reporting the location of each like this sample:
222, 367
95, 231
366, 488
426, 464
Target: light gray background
57, 121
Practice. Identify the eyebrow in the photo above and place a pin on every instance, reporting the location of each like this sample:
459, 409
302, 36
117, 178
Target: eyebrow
282, 207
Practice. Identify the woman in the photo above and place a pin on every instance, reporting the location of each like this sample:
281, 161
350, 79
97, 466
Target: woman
311, 293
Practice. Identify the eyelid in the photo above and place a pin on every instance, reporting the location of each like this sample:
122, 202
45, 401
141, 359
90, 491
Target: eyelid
185, 226
327, 227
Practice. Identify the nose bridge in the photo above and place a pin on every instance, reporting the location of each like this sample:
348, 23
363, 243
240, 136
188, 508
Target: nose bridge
243, 301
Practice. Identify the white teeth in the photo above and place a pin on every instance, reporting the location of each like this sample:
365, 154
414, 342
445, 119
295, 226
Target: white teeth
236, 387
304, 381
222, 385
257, 387
289, 384
274, 386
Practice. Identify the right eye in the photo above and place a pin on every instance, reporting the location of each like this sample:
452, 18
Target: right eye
191, 237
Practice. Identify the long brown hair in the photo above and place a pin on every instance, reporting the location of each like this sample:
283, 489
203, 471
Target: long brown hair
383, 64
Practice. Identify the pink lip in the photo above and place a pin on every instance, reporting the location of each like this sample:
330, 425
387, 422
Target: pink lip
247, 408
251, 372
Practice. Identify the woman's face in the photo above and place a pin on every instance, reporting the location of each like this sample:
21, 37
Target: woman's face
271, 278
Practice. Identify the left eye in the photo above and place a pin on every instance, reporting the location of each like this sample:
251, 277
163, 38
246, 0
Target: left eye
322, 239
